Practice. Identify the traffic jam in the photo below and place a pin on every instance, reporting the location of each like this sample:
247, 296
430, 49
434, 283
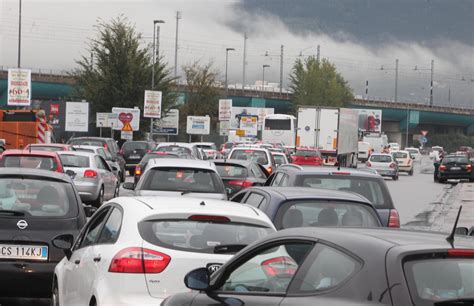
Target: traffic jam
294, 212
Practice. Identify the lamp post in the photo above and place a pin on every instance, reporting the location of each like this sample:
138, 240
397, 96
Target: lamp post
281, 65
19, 35
226, 65
154, 56
263, 78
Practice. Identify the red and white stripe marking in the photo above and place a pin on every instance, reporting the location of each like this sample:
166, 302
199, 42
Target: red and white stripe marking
41, 130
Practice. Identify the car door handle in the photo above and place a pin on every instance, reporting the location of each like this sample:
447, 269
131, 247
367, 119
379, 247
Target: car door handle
97, 259
77, 262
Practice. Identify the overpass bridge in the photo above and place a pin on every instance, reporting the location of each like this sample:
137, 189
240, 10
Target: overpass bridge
439, 119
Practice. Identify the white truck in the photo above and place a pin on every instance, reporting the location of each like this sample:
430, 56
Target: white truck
333, 131
377, 141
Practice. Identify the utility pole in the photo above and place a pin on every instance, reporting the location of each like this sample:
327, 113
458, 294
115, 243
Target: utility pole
19, 36
226, 65
449, 95
367, 89
245, 61
154, 57
263, 79
408, 122
396, 80
431, 83
318, 53
281, 69
178, 17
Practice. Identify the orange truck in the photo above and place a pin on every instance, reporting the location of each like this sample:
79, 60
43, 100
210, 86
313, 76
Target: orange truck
19, 128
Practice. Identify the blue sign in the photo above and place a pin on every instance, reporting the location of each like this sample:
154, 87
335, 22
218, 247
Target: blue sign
423, 140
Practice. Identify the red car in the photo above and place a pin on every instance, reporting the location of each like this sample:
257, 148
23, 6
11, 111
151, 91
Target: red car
31, 159
51, 147
307, 157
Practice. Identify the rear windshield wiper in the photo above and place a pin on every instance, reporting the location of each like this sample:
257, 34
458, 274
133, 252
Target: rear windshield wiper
228, 248
460, 301
17, 213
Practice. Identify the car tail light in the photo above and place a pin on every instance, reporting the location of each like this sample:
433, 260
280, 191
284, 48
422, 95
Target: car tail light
393, 165
468, 167
248, 151
106, 146
209, 218
279, 265
148, 151
90, 173
139, 260
442, 168
393, 219
138, 170
341, 173
243, 184
461, 252
270, 170
368, 164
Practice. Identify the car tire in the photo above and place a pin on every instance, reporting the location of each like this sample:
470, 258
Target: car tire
55, 294
411, 172
442, 181
100, 198
117, 190
471, 180
131, 172
395, 178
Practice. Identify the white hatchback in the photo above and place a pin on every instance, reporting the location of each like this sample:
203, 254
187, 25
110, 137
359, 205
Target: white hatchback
137, 250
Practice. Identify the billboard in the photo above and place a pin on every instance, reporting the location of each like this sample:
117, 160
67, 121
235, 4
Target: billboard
152, 104
168, 125
128, 119
249, 124
198, 125
238, 112
370, 120
77, 117
19, 87
225, 109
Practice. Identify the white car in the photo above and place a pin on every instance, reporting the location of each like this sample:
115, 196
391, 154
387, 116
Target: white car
136, 251
394, 146
180, 148
414, 152
209, 149
175, 177
254, 153
384, 164
280, 158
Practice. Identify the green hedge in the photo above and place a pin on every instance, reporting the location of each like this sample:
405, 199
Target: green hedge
450, 142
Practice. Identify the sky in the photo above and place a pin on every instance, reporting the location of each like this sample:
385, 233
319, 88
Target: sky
359, 37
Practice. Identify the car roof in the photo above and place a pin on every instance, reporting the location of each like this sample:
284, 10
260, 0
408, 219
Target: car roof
178, 144
88, 147
298, 193
204, 143
278, 153
234, 161
77, 153
380, 154
30, 153
49, 145
403, 151
409, 239
35, 173
247, 147
195, 206
181, 163
326, 170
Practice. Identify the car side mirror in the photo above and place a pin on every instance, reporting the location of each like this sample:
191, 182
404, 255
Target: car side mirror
128, 186
89, 210
463, 231
197, 279
64, 242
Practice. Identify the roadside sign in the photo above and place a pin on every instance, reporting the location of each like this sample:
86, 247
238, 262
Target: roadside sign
102, 120
152, 104
423, 140
240, 133
168, 125
424, 133
249, 124
19, 87
128, 119
225, 109
198, 125
224, 128
77, 117
126, 135
54, 109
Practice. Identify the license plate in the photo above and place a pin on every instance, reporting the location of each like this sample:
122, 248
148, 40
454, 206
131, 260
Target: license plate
32, 252
455, 168
134, 156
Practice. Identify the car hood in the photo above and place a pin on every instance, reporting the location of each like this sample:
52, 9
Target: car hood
218, 196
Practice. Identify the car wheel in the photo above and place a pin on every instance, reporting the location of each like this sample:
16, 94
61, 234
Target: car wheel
55, 295
411, 172
471, 180
442, 181
395, 178
100, 198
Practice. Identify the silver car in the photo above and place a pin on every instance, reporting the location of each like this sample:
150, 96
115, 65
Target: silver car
385, 164
99, 150
175, 177
92, 176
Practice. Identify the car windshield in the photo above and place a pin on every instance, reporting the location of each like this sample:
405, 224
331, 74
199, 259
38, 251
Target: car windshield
200, 236
373, 189
400, 155
37, 197
183, 180
308, 153
34, 162
249, 154
322, 213
231, 170
134, 145
455, 160
279, 159
74, 161
437, 279
380, 158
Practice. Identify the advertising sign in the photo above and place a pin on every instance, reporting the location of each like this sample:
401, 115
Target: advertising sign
198, 125
54, 109
128, 119
238, 112
102, 120
224, 128
370, 120
225, 109
152, 107
168, 125
19, 87
249, 124
77, 117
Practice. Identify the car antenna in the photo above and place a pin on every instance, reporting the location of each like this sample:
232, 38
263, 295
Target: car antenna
450, 238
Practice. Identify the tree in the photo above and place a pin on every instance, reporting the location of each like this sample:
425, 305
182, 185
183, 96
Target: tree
202, 97
118, 70
317, 83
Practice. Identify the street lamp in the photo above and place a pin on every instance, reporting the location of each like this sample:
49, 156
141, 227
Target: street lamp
263, 78
156, 41
226, 64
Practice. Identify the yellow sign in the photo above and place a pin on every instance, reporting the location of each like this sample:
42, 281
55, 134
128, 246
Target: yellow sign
127, 127
240, 133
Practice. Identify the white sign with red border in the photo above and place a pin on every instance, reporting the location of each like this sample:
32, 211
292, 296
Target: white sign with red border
152, 107
19, 87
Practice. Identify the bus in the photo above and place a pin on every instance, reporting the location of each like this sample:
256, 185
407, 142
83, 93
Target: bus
279, 128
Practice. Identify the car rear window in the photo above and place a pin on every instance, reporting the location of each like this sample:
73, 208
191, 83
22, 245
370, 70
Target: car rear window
149, 156
380, 159
84, 150
279, 159
432, 280
455, 159
200, 236
183, 180
249, 154
412, 151
175, 149
400, 155
47, 148
373, 189
308, 153
207, 147
232, 170
33, 162
322, 213
135, 145
75, 161
87, 142
37, 198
